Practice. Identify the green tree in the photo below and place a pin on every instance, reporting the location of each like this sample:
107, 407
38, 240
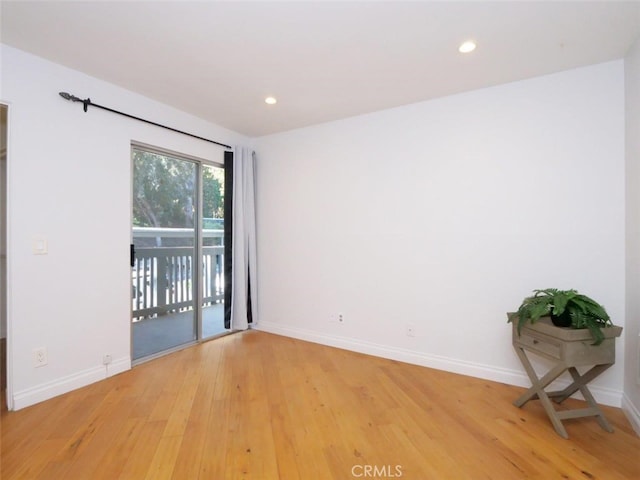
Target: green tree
164, 191
212, 193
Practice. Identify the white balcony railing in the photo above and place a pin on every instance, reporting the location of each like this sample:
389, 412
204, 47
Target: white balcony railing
162, 276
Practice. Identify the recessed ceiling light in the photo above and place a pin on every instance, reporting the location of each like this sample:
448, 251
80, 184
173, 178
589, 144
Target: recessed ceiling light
468, 46
270, 100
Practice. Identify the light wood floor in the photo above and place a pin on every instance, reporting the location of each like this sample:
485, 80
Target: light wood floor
261, 406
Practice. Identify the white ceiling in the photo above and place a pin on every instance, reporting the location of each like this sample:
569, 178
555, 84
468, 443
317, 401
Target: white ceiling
322, 60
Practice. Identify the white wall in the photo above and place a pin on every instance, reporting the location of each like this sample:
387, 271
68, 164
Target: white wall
443, 215
631, 402
69, 181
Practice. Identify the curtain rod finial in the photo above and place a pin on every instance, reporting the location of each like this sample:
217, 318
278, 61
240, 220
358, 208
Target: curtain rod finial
68, 96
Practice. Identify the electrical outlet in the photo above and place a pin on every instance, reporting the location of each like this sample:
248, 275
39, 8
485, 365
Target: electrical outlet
340, 318
106, 359
336, 318
411, 330
40, 357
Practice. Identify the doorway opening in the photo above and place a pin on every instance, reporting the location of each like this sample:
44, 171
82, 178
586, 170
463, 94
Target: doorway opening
177, 251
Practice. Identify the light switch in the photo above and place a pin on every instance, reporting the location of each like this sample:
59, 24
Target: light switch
39, 246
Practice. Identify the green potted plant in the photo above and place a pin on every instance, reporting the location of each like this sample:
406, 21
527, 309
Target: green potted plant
567, 308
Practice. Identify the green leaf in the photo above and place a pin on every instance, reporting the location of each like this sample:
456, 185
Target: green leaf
583, 311
596, 333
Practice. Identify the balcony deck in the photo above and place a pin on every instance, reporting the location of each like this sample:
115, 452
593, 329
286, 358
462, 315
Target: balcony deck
154, 335
163, 285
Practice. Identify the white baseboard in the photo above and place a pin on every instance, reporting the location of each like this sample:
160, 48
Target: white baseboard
603, 395
45, 391
632, 413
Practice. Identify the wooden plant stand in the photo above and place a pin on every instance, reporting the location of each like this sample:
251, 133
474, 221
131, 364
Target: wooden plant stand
568, 348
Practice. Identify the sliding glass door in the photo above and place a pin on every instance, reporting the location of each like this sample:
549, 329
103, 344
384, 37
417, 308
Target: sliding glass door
177, 247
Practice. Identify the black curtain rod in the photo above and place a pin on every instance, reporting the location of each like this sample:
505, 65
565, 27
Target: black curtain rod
86, 102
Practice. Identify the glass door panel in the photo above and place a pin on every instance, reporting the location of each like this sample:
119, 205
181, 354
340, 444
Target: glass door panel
164, 240
212, 251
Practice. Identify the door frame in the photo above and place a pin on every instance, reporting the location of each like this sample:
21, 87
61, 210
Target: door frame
198, 239
6, 304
